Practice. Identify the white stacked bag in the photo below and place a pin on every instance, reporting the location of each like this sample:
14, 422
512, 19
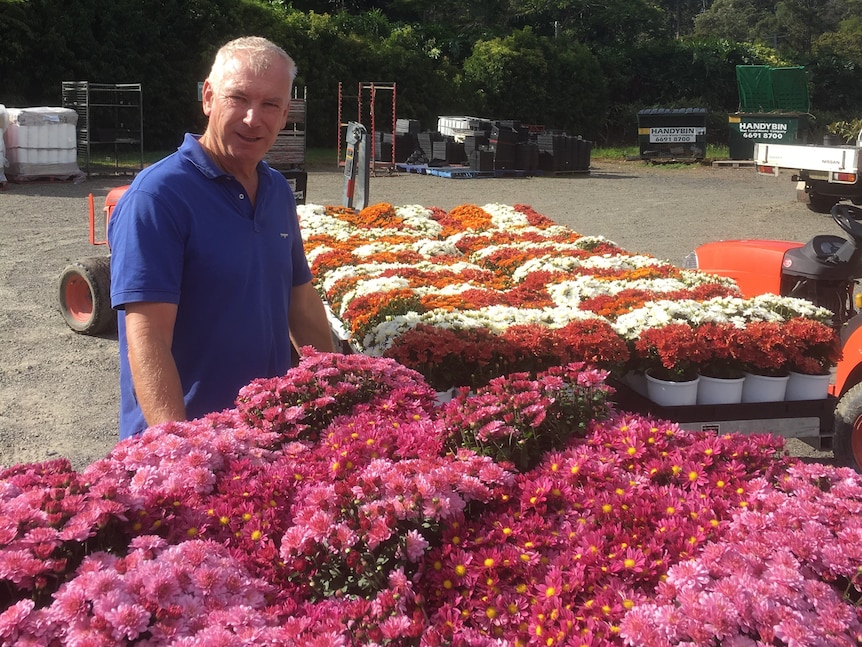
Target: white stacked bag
41, 143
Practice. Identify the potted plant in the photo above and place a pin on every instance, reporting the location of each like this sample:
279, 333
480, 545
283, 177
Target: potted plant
721, 374
816, 348
764, 352
670, 355
672, 352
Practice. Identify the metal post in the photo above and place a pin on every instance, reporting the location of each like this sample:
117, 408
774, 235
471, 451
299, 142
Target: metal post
356, 167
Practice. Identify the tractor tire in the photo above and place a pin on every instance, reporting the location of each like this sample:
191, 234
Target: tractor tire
820, 203
847, 441
85, 296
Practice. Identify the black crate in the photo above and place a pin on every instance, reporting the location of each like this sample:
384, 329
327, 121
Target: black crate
583, 152
501, 134
474, 142
526, 156
405, 144
482, 160
449, 151
298, 181
504, 155
426, 141
409, 126
560, 152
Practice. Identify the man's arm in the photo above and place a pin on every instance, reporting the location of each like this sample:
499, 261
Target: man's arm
149, 334
307, 318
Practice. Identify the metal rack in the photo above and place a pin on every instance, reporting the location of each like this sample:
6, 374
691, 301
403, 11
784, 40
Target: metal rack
367, 89
111, 120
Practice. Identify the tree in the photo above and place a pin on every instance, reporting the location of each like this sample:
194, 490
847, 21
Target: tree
735, 20
594, 22
536, 79
799, 22
682, 14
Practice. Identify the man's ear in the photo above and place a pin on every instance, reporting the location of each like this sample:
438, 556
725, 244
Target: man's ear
207, 97
286, 112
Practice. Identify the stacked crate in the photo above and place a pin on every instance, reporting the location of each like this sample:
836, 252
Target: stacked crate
288, 151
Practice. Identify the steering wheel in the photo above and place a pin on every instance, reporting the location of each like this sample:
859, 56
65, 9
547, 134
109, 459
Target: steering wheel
848, 218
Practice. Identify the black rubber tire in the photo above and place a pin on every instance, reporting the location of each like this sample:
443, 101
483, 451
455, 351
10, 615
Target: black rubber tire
820, 203
85, 296
847, 441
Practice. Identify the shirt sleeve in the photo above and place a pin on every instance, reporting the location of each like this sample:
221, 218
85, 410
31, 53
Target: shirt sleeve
147, 246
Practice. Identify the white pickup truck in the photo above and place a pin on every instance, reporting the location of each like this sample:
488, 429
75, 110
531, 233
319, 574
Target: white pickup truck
824, 175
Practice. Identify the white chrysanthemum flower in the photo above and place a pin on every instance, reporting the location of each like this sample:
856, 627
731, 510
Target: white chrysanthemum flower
546, 264
418, 221
559, 248
586, 242
449, 289
371, 286
328, 279
317, 251
324, 225
495, 319
694, 278
621, 262
378, 247
790, 307
308, 210
431, 248
376, 341
506, 217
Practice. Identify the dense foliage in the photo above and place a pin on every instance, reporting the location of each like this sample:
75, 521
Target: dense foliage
581, 66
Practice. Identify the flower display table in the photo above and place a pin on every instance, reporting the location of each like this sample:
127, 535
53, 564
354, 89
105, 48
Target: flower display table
481, 291
809, 420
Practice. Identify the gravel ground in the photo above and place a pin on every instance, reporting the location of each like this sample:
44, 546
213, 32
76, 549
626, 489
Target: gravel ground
58, 389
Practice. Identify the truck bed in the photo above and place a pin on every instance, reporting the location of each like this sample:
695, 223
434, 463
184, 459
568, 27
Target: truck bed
834, 159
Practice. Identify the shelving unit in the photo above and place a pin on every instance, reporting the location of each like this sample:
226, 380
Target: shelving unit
367, 116
287, 154
110, 122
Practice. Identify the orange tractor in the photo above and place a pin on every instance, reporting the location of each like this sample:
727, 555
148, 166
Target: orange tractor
85, 285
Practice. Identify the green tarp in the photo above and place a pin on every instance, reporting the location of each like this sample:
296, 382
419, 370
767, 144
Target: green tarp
765, 89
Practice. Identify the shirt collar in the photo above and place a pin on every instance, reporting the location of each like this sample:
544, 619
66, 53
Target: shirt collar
195, 153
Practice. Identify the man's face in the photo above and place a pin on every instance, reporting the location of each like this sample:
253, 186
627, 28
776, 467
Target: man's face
246, 110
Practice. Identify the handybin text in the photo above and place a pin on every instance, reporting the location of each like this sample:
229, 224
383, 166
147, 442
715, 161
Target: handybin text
676, 135
763, 130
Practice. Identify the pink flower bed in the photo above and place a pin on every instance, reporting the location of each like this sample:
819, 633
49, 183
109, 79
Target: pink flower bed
342, 505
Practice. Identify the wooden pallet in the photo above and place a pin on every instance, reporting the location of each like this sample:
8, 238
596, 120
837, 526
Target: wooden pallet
733, 163
44, 179
458, 172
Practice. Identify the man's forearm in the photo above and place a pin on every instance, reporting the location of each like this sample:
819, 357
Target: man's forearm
149, 334
309, 325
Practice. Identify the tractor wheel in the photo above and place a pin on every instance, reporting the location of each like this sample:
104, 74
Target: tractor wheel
847, 442
85, 296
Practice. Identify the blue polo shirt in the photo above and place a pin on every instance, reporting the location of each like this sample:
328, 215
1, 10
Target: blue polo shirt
186, 233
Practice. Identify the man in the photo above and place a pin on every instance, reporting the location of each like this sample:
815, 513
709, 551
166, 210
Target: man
208, 270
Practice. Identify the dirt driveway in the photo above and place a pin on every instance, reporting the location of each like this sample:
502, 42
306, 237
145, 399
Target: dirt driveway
58, 390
